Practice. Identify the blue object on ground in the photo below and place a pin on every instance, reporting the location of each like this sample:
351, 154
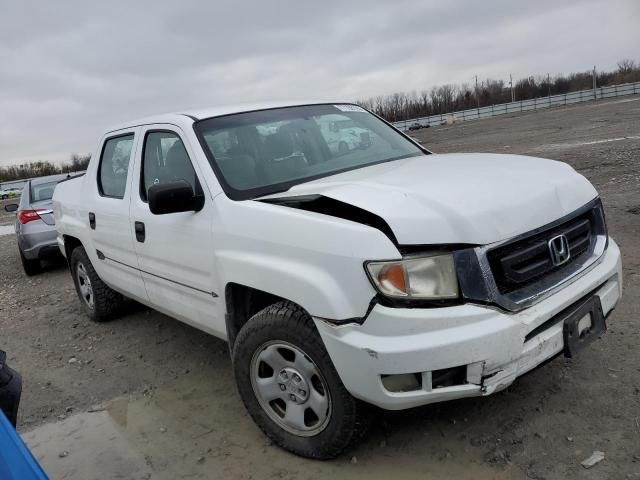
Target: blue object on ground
16, 461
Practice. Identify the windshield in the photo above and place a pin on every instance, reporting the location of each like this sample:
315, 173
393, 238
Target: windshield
267, 151
43, 191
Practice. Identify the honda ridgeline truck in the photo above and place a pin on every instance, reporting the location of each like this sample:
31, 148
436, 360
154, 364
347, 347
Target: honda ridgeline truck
384, 275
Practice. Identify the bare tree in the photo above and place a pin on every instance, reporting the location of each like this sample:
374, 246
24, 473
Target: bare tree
626, 65
449, 98
39, 169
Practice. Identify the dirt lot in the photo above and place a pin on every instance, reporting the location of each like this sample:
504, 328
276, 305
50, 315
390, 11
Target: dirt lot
145, 396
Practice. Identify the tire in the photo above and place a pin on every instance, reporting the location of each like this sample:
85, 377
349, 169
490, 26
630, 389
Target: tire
31, 267
343, 148
258, 358
99, 302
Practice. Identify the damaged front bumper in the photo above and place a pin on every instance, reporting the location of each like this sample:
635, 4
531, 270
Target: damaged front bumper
469, 350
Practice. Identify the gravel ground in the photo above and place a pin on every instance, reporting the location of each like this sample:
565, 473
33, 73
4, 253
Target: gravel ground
543, 426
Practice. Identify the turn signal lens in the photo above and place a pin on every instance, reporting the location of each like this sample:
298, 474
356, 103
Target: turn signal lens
390, 277
423, 277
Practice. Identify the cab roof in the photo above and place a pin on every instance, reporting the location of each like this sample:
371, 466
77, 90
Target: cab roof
193, 115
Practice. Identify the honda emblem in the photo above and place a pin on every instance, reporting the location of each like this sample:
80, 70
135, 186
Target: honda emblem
559, 250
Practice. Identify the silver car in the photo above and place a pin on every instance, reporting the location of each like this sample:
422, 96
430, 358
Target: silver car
35, 225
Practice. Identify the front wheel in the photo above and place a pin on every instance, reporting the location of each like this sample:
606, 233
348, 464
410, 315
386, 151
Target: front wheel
290, 387
99, 302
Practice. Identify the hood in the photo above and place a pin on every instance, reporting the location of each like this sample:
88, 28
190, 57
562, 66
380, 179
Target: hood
458, 198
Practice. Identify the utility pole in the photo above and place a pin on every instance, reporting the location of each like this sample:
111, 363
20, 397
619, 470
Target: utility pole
549, 84
477, 96
595, 96
513, 96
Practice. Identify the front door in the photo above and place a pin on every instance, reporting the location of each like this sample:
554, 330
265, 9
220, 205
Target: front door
175, 251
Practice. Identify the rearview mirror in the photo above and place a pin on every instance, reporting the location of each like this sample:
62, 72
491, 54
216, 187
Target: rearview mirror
174, 197
11, 207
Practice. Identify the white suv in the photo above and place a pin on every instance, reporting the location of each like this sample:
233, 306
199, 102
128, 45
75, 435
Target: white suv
382, 275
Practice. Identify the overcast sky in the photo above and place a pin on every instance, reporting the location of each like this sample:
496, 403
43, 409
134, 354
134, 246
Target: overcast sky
69, 70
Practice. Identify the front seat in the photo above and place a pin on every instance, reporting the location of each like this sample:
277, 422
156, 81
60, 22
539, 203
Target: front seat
177, 165
239, 171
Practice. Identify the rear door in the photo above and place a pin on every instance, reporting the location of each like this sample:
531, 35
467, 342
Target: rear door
108, 215
175, 251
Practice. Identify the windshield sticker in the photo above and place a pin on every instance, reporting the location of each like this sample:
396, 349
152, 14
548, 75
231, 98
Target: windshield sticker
350, 108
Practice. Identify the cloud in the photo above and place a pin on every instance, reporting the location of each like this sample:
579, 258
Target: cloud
71, 69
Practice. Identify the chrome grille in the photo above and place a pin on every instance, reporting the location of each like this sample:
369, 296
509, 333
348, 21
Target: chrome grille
525, 261
520, 272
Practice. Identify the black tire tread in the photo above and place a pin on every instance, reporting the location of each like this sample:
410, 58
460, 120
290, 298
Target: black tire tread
106, 301
354, 423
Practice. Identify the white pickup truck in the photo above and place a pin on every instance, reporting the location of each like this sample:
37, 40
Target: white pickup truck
385, 275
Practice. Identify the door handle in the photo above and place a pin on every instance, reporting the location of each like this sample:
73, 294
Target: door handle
140, 233
92, 220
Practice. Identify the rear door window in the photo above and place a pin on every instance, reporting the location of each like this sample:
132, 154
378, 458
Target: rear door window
114, 166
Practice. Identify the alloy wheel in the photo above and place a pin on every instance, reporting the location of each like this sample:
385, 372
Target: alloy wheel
84, 285
290, 388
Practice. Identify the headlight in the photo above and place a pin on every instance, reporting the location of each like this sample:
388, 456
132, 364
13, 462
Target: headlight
426, 277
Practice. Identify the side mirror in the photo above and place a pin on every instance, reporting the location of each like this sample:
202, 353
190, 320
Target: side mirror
11, 207
174, 197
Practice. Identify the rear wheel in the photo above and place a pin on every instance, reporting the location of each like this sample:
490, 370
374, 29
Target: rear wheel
343, 148
31, 267
99, 302
290, 387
